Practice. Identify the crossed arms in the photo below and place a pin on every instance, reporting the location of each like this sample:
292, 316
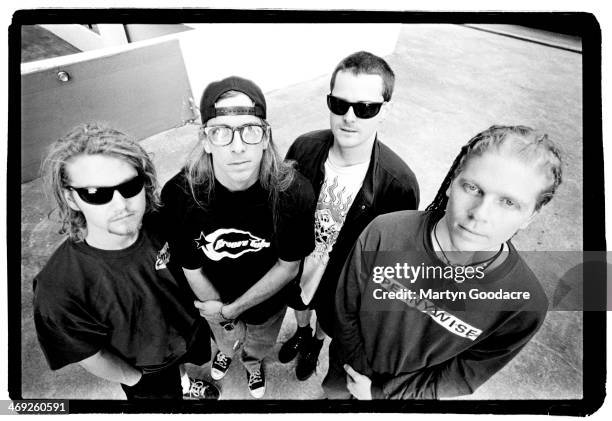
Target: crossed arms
210, 305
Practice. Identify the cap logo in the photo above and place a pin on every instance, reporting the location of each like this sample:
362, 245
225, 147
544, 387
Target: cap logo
235, 111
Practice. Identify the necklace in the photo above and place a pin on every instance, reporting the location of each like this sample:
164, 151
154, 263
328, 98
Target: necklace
485, 263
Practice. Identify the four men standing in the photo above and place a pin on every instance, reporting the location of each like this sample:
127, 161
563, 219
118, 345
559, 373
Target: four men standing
237, 225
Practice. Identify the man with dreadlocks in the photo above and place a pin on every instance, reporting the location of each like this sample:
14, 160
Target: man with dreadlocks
242, 220
432, 304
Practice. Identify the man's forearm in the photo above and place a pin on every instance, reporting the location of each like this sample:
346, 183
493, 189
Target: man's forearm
273, 281
109, 366
200, 285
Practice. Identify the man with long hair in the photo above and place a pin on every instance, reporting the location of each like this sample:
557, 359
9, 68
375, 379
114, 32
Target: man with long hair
109, 298
242, 220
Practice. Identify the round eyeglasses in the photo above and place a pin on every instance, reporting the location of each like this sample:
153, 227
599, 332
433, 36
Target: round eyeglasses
222, 135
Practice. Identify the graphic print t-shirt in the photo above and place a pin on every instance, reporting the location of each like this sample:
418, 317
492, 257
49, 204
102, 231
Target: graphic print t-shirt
339, 189
234, 240
128, 301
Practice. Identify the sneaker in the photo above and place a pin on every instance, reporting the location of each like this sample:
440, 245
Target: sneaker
307, 361
201, 389
220, 365
257, 383
294, 345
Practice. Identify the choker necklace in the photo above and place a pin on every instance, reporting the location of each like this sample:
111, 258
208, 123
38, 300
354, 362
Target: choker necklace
485, 263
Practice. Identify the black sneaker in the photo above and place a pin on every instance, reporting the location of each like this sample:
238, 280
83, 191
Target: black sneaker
307, 361
219, 366
294, 345
201, 389
257, 382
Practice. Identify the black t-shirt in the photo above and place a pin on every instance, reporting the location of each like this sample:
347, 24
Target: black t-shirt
127, 301
233, 236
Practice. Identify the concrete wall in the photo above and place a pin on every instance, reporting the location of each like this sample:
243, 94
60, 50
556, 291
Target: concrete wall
141, 32
145, 92
141, 91
85, 38
273, 55
277, 55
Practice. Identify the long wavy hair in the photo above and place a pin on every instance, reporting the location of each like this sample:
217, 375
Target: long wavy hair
275, 175
525, 142
93, 139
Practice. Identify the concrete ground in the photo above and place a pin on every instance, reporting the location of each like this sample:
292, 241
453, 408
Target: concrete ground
452, 82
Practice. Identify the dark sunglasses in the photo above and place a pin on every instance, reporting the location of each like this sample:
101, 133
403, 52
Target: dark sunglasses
361, 109
103, 195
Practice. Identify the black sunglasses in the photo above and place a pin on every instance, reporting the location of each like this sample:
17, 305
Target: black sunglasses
361, 109
103, 195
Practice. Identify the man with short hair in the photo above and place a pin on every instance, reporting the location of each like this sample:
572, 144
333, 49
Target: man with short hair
356, 178
243, 221
110, 298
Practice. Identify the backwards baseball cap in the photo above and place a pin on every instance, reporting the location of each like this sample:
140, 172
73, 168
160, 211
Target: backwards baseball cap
233, 83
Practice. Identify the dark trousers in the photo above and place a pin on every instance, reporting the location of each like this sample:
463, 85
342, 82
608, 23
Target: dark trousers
166, 383
334, 383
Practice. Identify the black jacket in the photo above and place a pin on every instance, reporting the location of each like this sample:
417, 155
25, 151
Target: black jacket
389, 186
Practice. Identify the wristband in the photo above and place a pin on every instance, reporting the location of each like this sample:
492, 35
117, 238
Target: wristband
227, 324
222, 316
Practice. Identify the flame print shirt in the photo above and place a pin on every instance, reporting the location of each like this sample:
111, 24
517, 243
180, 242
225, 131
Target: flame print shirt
338, 191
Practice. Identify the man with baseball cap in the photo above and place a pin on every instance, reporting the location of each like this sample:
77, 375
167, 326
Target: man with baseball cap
241, 221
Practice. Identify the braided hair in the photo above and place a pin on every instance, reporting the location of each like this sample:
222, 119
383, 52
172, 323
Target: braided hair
524, 141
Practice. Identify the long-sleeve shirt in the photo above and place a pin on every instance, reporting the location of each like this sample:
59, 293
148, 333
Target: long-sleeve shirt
436, 342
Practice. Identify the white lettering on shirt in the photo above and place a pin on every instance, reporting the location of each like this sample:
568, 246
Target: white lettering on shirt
442, 317
229, 242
